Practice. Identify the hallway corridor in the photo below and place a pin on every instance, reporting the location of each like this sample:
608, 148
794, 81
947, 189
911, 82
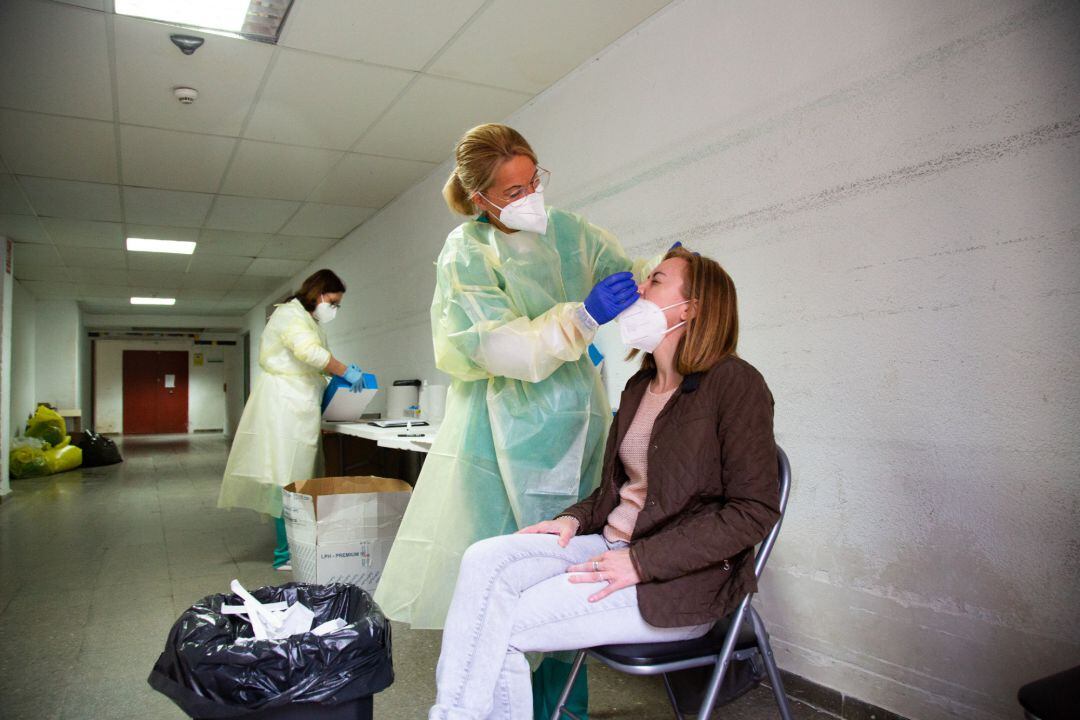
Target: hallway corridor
96, 564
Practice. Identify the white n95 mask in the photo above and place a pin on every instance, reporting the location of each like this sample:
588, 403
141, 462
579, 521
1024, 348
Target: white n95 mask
643, 325
324, 312
527, 213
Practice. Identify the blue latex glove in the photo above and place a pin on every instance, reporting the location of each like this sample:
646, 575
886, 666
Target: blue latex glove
354, 376
611, 296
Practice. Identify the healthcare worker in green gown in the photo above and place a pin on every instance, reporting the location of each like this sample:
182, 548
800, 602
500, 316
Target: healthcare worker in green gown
279, 436
520, 292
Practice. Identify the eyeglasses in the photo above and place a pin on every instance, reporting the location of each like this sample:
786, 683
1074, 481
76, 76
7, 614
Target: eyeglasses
538, 182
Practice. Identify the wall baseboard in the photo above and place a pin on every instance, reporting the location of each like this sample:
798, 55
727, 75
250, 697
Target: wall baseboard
832, 701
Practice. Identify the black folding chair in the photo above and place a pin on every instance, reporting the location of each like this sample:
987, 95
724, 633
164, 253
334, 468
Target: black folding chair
731, 638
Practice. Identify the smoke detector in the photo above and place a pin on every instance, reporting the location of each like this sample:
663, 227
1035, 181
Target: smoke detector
186, 95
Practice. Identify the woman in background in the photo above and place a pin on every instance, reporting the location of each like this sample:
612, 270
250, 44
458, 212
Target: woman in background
278, 440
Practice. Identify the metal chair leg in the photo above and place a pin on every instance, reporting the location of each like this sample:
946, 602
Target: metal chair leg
723, 661
671, 699
765, 647
560, 708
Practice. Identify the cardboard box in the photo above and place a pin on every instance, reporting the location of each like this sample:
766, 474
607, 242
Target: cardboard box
341, 528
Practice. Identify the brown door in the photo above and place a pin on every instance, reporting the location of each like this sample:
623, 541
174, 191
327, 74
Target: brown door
155, 392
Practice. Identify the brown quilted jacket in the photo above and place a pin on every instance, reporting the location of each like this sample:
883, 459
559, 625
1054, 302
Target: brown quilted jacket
712, 493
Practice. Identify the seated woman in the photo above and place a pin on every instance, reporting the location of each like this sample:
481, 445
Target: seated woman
664, 547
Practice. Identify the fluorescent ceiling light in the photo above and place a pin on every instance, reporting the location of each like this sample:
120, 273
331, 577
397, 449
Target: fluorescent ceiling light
153, 301
177, 247
252, 19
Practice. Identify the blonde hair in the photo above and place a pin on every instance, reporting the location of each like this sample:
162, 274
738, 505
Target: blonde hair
712, 332
479, 154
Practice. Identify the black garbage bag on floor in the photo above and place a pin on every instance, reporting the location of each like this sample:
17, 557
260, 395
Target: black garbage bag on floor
213, 668
98, 450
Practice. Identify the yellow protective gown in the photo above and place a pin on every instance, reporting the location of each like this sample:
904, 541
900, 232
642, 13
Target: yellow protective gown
526, 415
278, 439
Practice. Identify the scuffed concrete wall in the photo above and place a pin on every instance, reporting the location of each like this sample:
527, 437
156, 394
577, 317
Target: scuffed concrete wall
895, 188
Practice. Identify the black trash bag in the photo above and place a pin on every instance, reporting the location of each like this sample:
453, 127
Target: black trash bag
98, 450
211, 672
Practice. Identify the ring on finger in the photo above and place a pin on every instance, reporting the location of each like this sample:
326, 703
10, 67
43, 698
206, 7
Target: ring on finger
595, 566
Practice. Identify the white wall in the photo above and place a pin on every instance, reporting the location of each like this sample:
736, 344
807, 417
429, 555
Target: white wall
23, 351
893, 187
58, 351
206, 395
7, 280
234, 382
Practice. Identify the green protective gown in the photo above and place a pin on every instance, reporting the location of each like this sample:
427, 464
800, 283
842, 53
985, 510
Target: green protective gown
526, 415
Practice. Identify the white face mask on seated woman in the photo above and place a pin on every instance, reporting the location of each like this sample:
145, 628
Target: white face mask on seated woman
643, 325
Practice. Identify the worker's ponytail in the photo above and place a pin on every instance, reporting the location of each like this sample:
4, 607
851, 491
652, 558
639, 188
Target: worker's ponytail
457, 197
479, 154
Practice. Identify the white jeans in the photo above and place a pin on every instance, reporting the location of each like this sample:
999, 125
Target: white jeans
513, 596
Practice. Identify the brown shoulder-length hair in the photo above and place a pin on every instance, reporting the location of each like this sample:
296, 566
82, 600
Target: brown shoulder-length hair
318, 283
712, 332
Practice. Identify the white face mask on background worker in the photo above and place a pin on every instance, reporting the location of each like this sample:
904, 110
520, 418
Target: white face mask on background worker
325, 312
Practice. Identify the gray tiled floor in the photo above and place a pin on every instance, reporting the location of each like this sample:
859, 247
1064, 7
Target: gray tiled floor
96, 564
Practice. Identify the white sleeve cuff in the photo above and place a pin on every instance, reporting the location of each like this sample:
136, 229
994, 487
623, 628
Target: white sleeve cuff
585, 322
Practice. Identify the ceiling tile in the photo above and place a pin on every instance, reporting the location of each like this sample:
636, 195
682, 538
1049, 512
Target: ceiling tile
173, 160
75, 257
165, 207
72, 199
207, 281
22, 228
89, 291
226, 242
226, 72
411, 130
103, 276
157, 262
69, 73
321, 101
201, 294
328, 221
226, 264
245, 296
246, 214
162, 232
168, 281
296, 248
12, 198
27, 254
256, 171
369, 181
275, 268
85, 233
51, 146
531, 60
257, 283
51, 273
357, 29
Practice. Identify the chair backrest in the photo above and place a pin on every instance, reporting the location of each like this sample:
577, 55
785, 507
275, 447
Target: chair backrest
784, 478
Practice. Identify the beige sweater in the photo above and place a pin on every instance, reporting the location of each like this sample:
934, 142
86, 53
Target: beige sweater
634, 453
